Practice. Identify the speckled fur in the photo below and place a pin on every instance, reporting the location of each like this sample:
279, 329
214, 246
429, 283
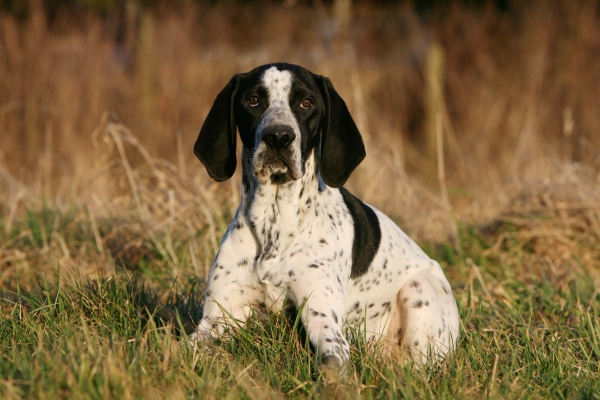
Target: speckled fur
294, 240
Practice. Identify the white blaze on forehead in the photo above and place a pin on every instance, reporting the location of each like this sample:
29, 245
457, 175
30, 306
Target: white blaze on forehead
278, 84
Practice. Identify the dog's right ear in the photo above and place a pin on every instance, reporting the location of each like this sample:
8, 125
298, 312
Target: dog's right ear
215, 146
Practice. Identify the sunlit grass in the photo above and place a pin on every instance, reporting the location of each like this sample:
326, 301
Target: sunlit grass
121, 336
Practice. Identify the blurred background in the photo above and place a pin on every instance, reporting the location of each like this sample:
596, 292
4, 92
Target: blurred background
469, 109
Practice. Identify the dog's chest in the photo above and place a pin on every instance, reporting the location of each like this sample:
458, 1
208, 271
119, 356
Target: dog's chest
298, 232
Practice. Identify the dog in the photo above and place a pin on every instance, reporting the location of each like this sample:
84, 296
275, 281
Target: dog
298, 236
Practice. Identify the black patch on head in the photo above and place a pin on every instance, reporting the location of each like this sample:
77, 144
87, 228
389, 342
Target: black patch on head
367, 234
342, 148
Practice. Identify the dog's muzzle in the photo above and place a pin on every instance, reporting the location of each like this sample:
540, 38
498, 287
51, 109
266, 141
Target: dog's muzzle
276, 155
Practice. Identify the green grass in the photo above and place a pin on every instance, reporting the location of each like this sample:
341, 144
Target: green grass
525, 334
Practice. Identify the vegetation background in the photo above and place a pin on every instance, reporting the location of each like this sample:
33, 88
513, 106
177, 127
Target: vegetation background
481, 122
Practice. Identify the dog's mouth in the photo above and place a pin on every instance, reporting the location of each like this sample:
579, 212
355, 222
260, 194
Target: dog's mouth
276, 166
277, 170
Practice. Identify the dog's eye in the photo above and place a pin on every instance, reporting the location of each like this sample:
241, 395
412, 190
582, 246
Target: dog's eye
306, 103
253, 101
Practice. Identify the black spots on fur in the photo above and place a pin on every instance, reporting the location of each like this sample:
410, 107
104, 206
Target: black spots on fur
291, 273
414, 284
241, 291
266, 276
385, 263
323, 241
334, 316
386, 304
445, 291
313, 266
242, 262
418, 304
374, 315
371, 305
216, 277
367, 234
328, 340
308, 201
295, 252
238, 225
407, 267
416, 343
314, 313
426, 303
322, 315
439, 333
355, 306
400, 333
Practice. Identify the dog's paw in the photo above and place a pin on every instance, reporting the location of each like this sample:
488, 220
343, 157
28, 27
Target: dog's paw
195, 339
332, 368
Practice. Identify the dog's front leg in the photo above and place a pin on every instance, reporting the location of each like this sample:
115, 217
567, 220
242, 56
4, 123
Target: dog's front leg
226, 306
322, 301
233, 288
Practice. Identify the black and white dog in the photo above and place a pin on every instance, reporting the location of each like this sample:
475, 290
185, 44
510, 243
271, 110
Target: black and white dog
299, 235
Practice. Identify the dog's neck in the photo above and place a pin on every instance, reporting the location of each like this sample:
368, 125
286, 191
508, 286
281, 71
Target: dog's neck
277, 212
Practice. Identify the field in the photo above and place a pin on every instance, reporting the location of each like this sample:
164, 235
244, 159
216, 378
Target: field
481, 128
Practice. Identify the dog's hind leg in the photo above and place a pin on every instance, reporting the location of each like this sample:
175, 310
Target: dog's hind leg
425, 322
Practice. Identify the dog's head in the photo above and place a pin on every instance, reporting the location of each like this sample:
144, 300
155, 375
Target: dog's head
281, 111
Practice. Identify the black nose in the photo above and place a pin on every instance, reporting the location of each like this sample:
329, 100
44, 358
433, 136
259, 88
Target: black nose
278, 137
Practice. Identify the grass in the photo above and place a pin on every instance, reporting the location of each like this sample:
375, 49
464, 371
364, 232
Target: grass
121, 336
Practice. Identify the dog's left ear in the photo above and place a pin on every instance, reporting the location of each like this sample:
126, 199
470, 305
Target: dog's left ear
215, 146
342, 148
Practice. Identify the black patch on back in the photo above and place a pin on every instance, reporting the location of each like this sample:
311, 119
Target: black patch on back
367, 234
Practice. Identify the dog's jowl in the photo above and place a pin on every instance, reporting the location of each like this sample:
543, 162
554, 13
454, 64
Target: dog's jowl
298, 235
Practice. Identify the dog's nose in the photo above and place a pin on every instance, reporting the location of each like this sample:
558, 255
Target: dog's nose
278, 137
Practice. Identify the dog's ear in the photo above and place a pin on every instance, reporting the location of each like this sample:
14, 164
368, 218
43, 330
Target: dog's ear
215, 146
342, 148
